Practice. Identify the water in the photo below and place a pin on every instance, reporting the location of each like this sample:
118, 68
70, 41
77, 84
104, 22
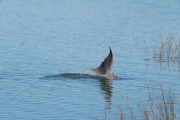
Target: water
40, 39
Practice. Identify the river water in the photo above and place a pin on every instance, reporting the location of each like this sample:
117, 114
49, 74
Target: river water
43, 38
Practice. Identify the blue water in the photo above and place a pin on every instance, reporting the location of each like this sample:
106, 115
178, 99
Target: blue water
40, 39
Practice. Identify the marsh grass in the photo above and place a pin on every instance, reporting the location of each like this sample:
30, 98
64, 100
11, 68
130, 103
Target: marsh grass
159, 106
161, 103
167, 50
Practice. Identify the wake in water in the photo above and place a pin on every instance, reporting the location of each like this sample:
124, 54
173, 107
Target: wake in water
81, 76
75, 76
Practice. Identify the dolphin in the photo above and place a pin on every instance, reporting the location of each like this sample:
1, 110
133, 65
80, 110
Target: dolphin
105, 69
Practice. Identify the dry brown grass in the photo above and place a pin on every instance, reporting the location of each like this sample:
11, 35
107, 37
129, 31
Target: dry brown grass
168, 50
160, 105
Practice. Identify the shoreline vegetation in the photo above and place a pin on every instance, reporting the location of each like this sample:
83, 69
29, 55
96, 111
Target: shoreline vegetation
160, 105
168, 50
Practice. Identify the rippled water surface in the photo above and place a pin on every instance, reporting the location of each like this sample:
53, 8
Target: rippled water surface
43, 38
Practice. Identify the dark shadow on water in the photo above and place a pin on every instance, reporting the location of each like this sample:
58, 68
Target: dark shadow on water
74, 76
81, 76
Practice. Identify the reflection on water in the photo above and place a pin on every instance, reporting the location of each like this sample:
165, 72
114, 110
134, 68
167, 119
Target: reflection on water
105, 85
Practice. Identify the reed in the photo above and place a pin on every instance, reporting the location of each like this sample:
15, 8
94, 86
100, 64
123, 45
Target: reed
168, 50
159, 106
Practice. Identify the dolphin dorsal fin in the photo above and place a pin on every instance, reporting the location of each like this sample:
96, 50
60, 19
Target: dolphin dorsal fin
108, 61
106, 65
